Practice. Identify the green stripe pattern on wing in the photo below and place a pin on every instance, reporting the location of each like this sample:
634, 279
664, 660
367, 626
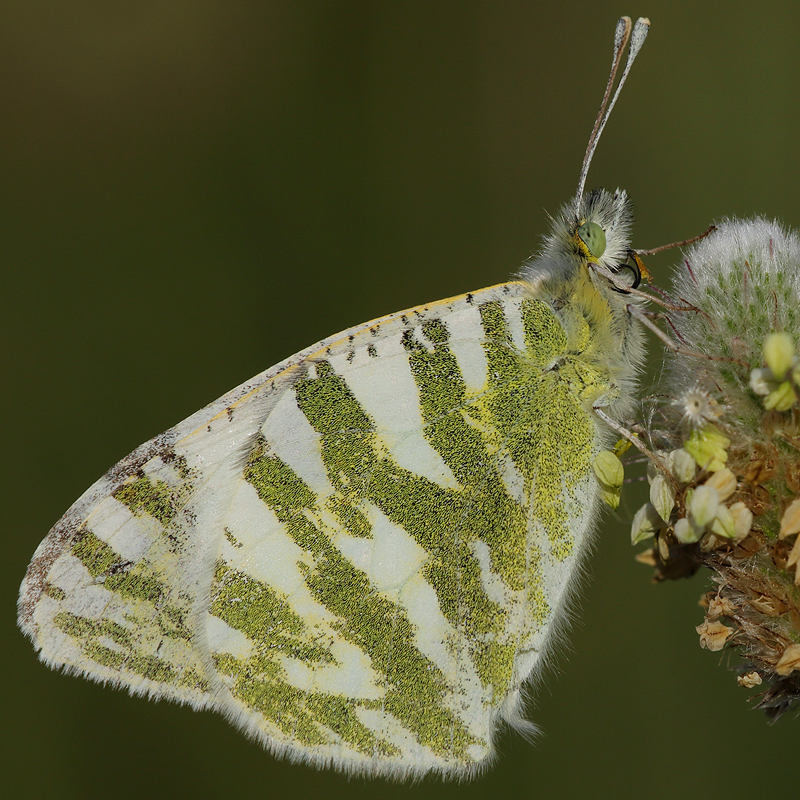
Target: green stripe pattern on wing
143, 632
528, 420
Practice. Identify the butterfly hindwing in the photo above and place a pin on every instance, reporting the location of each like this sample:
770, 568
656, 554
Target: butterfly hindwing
138, 547
358, 556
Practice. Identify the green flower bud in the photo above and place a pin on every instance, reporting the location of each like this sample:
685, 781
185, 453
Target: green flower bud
610, 473
779, 354
707, 445
662, 496
782, 399
608, 468
646, 524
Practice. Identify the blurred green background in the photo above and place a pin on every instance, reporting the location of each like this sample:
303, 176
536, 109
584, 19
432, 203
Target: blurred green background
192, 191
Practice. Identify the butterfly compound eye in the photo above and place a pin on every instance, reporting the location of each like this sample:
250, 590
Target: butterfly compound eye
594, 237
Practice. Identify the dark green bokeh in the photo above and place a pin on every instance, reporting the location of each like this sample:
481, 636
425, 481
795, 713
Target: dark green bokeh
192, 191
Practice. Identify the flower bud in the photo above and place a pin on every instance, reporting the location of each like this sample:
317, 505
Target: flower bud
608, 468
723, 523
724, 481
662, 496
683, 466
610, 474
742, 521
790, 521
704, 504
687, 531
707, 445
646, 524
779, 354
782, 399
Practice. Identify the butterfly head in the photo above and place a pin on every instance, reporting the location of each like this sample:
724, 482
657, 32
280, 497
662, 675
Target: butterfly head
589, 239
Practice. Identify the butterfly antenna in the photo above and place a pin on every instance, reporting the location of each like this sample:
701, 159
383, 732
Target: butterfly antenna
621, 36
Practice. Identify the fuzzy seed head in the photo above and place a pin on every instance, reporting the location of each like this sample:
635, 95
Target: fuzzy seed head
733, 432
745, 281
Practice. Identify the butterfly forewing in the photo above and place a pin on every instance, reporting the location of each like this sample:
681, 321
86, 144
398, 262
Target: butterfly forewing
359, 555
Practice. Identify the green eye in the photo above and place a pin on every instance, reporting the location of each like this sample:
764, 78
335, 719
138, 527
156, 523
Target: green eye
594, 237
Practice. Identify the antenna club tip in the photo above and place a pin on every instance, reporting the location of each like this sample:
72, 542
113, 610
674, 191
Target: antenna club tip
622, 36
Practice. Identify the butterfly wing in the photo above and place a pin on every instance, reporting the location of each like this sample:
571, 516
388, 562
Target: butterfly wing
359, 556
116, 591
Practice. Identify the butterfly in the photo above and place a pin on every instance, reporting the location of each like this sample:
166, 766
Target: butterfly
362, 555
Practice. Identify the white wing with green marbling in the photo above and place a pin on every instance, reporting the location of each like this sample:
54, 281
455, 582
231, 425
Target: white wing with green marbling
359, 556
